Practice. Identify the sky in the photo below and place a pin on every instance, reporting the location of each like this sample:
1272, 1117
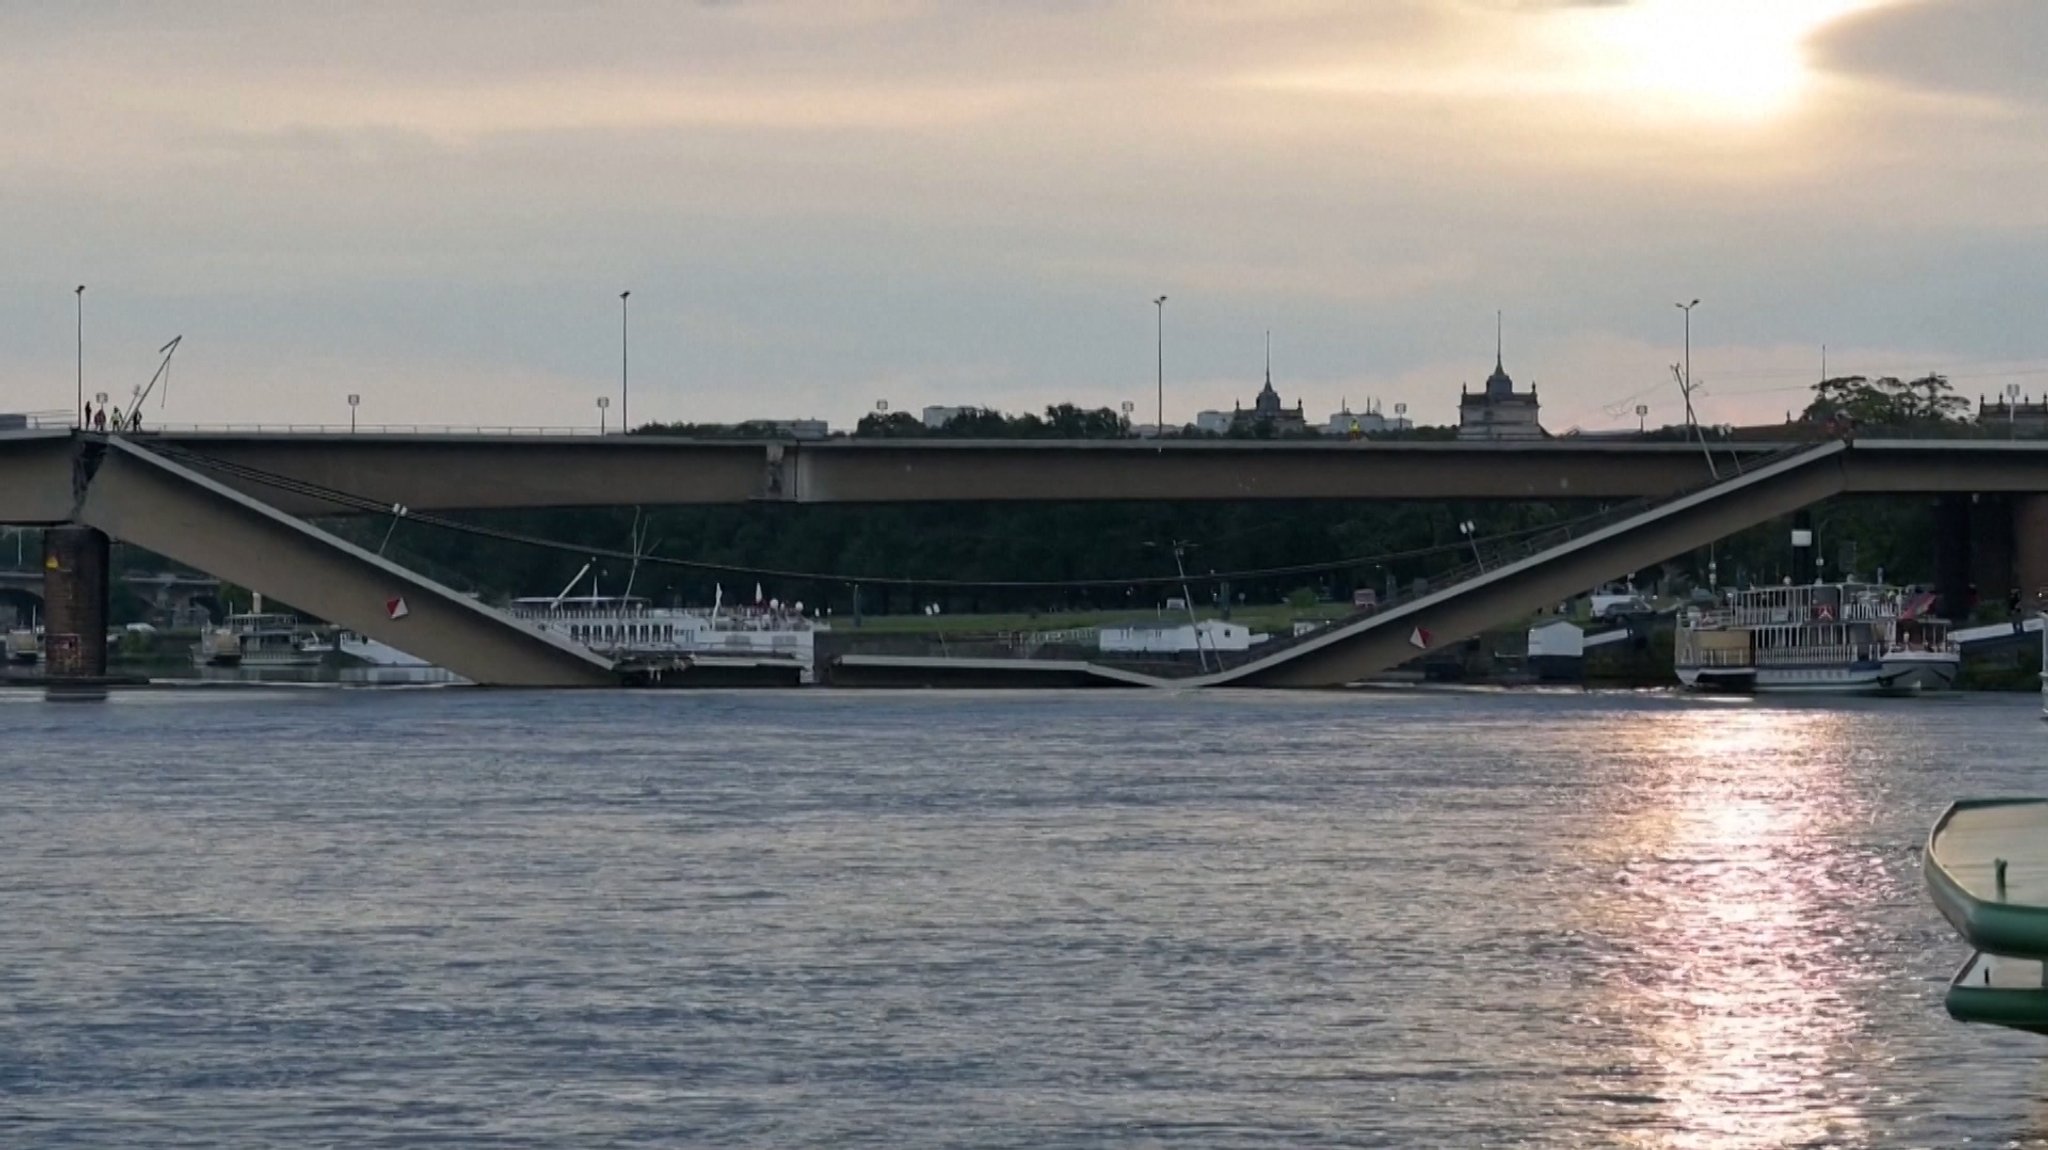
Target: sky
822, 205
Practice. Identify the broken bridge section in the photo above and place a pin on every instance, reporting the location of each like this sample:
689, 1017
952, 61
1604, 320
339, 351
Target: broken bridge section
1350, 652
142, 498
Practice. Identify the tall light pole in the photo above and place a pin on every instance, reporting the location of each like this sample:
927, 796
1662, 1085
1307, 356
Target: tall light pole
603, 401
1467, 528
2012, 399
1187, 600
1685, 388
625, 395
353, 400
1642, 418
79, 406
1159, 416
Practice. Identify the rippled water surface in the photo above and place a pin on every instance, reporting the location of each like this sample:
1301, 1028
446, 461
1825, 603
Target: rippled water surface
428, 918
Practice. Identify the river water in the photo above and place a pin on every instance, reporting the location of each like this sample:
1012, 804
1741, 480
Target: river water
321, 917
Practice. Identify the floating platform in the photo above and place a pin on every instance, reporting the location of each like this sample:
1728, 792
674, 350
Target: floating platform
1987, 870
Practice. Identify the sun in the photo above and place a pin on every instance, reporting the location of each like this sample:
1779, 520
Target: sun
1723, 59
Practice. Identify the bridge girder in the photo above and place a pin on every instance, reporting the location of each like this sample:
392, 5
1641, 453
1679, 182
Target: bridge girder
138, 498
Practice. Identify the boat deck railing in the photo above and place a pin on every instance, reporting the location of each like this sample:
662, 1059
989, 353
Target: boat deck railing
1823, 653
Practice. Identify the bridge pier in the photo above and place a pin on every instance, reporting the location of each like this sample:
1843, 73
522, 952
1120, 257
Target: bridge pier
1988, 546
1952, 555
1991, 548
2030, 550
75, 602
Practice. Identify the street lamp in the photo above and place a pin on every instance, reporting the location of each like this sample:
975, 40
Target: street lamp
1685, 389
603, 402
1159, 417
1128, 408
1400, 417
1642, 417
625, 396
79, 407
353, 401
1467, 528
1188, 601
2012, 398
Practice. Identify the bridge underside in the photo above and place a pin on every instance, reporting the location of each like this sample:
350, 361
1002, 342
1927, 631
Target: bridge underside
139, 498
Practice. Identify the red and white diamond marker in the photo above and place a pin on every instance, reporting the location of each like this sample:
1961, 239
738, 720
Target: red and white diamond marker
1419, 638
396, 608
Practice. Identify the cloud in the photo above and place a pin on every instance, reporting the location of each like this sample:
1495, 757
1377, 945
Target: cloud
1988, 50
818, 205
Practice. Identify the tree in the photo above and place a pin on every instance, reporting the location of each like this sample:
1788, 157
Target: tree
892, 425
1886, 402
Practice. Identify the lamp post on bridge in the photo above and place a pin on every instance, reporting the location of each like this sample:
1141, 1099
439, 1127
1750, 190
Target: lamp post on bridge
1159, 414
1685, 389
1642, 418
2012, 400
79, 407
1187, 600
625, 394
603, 402
1467, 528
353, 401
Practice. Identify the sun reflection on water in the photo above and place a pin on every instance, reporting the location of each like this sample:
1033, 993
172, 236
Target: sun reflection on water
1737, 1002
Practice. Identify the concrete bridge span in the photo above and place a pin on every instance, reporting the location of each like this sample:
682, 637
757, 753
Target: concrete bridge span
456, 472
137, 497
469, 472
1350, 652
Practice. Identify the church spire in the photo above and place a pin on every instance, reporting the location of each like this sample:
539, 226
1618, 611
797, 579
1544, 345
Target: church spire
1269, 357
1498, 385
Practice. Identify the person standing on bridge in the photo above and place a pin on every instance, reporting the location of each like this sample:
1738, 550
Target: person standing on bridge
117, 419
99, 418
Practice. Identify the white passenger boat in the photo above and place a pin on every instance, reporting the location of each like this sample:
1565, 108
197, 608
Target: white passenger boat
624, 627
1845, 638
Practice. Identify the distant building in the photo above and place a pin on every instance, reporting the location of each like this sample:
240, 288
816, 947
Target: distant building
1267, 412
2025, 417
1213, 422
1371, 421
1499, 412
938, 417
1164, 637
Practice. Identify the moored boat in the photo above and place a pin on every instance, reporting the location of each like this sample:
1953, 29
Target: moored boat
1986, 865
257, 639
631, 630
1850, 638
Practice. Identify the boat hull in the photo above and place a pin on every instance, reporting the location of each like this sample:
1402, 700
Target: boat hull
1906, 674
